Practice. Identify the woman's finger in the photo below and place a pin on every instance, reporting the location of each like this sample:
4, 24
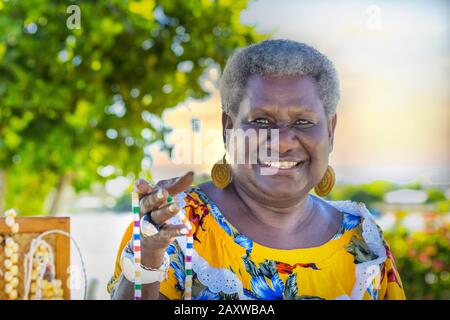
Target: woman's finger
170, 231
158, 195
164, 213
153, 201
142, 187
181, 184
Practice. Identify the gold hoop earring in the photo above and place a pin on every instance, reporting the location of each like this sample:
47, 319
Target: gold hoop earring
221, 174
326, 184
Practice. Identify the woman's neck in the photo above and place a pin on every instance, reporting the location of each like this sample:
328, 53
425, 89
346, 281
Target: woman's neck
293, 218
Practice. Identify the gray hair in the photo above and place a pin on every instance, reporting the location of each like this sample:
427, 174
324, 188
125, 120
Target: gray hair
278, 58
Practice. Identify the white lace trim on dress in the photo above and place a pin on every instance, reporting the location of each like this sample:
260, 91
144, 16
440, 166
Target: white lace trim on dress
366, 271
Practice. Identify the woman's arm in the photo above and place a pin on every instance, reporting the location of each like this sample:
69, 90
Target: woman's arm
125, 289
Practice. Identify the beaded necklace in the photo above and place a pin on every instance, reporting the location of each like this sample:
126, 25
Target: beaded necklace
39, 268
189, 249
11, 251
137, 247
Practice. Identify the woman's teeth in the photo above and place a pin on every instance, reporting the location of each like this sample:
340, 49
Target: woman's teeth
282, 164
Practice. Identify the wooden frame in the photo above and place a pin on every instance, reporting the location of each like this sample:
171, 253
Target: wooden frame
37, 225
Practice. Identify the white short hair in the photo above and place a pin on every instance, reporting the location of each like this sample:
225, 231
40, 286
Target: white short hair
278, 58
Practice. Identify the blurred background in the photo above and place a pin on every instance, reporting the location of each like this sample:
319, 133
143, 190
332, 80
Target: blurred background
96, 94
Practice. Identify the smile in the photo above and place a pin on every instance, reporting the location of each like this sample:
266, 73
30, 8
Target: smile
282, 165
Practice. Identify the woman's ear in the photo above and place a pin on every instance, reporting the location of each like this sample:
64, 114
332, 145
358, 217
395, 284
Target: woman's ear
331, 126
227, 123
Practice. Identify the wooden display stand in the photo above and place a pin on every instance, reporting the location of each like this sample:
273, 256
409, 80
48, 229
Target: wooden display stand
31, 227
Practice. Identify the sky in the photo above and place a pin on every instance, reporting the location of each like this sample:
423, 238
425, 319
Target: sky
393, 62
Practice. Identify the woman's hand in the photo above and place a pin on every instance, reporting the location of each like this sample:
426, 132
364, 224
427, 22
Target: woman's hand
153, 202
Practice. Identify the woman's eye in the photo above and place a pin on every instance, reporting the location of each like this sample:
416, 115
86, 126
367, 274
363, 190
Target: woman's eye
304, 123
261, 122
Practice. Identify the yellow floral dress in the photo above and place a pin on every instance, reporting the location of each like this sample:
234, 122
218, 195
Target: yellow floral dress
355, 264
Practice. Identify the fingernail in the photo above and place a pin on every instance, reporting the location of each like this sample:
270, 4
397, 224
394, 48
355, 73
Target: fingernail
184, 231
160, 194
173, 207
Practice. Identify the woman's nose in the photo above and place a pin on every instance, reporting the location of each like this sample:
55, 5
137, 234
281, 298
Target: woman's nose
287, 140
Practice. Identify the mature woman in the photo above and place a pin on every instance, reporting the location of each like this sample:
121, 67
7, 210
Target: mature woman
262, 235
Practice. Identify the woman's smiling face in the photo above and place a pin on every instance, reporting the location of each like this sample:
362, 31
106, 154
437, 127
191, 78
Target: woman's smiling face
293, 106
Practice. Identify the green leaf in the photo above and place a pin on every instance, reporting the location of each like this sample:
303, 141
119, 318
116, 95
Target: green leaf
290, 288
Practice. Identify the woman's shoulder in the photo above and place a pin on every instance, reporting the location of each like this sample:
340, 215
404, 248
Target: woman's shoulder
354, 213
367, 232
348, 206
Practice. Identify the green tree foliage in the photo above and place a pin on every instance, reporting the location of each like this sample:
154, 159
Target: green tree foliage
435, 195
368, 193
76, 100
